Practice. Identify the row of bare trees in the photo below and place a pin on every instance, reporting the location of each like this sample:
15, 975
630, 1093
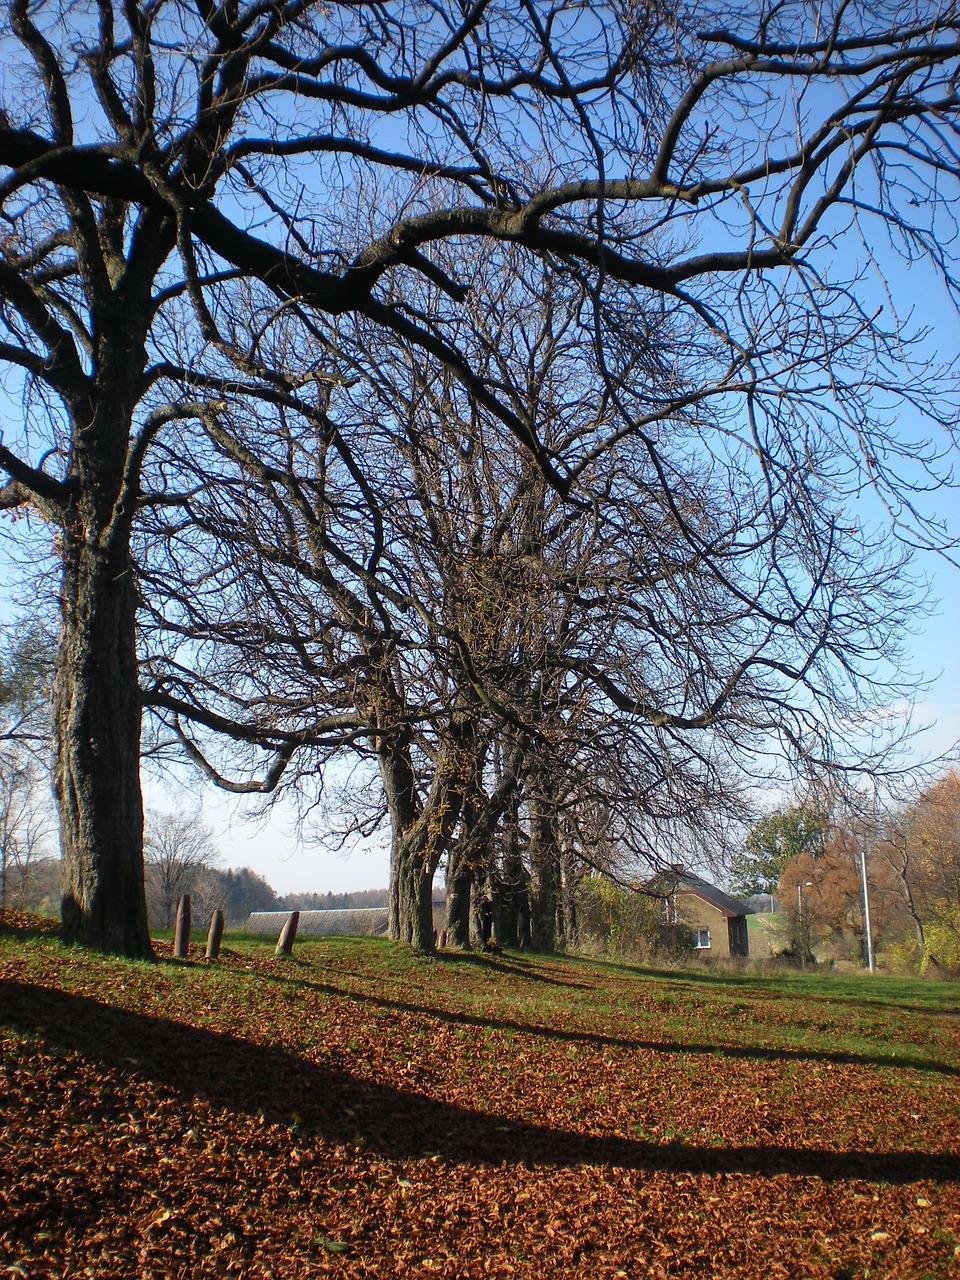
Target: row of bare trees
472, 390
485, 645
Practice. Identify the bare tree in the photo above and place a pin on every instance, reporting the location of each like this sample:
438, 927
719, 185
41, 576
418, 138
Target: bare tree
182, 183
383, 575
899, 852
25, 829
26, 660
438, 600
178, 850
25, 826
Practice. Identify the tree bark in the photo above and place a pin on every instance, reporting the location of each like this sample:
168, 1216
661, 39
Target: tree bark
96, 731
482, 912
459, 884
567, 926
544, 874
411, 897
510, 886
410, 917
469, 859
422, 829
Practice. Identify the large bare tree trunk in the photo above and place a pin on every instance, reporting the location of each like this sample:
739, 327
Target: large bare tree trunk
413, 860
459, 885
567, 924
544, 873
411, 898
96, 731
511, 884
468, 858
96, 693
474, 887
422, 829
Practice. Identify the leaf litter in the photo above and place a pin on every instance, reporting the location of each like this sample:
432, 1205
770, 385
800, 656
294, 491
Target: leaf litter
356, 1111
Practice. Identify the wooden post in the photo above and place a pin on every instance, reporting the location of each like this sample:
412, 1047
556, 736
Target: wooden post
288, 935
214, 935
181, 935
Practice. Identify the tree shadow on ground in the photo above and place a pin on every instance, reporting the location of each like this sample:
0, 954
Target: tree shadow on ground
599, 1040
22, 924
794, 984
524, 969
242, 1076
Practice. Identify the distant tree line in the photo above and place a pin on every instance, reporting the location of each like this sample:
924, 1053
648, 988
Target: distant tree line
35, 886
181, 857
328, 901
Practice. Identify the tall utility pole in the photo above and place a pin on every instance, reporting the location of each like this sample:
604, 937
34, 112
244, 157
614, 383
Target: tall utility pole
803, 934
867, 927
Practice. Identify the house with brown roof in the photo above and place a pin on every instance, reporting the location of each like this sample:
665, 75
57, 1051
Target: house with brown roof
717, 923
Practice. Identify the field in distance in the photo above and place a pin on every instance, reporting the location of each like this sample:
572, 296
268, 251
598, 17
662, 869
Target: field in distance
357, 1111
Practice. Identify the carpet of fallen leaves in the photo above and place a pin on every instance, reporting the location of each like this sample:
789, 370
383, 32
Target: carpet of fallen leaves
357, 1111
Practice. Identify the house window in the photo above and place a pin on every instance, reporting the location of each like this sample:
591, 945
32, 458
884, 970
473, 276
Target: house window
701, 939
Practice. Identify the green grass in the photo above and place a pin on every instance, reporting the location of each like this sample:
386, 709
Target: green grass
550, 982
808, 1117
816, 1011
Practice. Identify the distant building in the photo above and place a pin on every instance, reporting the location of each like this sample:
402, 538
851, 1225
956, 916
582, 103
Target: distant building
358, 922
717, 922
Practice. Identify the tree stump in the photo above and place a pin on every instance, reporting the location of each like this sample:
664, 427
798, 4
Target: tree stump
215, 935
181, 935
288, 934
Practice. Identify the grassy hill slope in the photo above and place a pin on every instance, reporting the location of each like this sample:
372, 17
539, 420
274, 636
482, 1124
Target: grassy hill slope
360, 1112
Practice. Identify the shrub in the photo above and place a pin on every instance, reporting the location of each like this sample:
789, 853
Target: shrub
624, 923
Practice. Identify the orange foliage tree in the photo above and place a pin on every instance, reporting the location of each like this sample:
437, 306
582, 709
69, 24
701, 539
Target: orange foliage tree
921, 851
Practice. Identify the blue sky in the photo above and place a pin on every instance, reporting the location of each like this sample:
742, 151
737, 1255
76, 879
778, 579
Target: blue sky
274, 850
